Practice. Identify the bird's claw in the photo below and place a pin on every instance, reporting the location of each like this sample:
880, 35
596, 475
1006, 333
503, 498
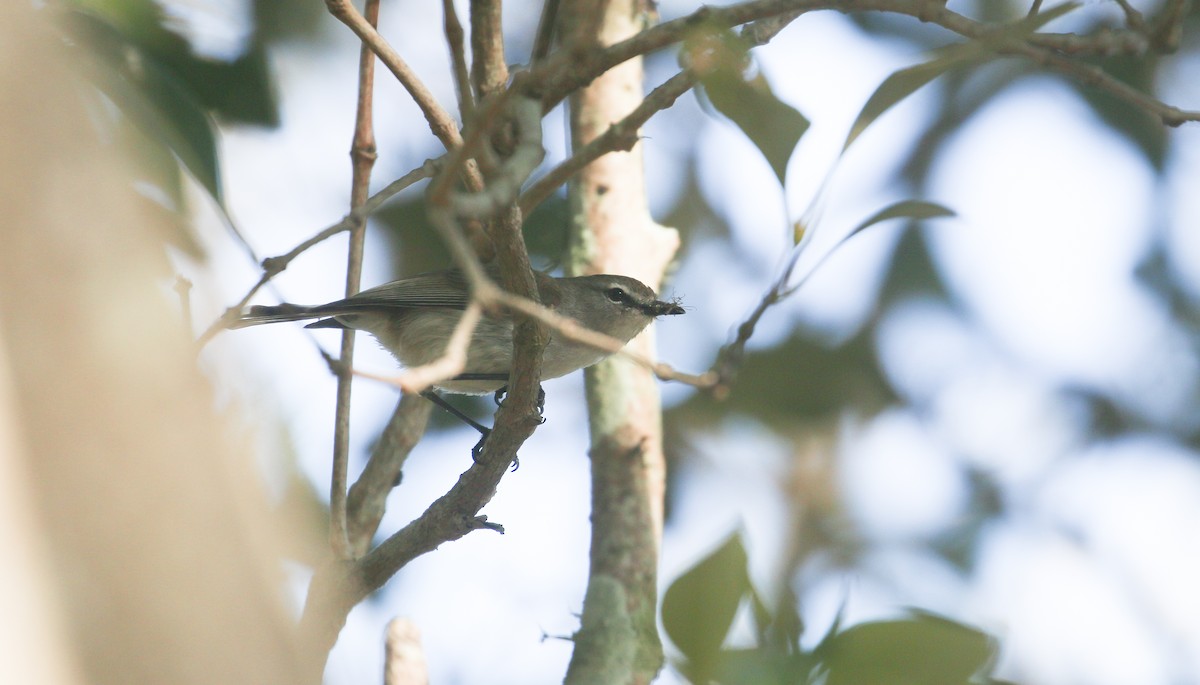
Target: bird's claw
477, 451
478, 448
541, 401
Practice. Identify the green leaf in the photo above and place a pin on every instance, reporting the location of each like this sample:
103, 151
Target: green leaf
698, 608
1141, 128
834, 628
152, 98
239, 90
762, 616
907, 209
762, 666
160, 187
721, 60
922, 650
907, 81
913, 209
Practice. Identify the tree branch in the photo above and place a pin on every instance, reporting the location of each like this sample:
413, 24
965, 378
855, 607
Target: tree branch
366, 501
622, 135
337, 588
489, 70
458, 59
452, 362
567, 70
362, 153
612, 232
544, 37
404, 661
439, 119
273, 266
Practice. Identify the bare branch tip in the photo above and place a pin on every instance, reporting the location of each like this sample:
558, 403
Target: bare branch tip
481, 523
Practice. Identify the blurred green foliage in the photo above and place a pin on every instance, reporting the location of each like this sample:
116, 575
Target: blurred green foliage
169, 95
918, 649
722, 59
807, 381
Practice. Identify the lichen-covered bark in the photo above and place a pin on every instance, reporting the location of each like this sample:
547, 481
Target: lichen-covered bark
614, 233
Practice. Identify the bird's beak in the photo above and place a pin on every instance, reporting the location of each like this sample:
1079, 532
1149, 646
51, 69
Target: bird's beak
660, 308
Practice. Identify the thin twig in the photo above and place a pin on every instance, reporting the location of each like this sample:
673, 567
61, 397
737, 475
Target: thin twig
729, 359
1133, 18
273, 266
452, 362
440, 121
1166, 30
504, 183
458, 59
1096, 77
544, 39
484, 116
622, 135
1103, 41
567, 70
573, 330
362, 152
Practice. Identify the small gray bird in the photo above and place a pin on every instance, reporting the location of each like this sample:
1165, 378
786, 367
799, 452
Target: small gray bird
413, 318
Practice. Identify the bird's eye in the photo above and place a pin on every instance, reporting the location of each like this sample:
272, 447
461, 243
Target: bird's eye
616, 295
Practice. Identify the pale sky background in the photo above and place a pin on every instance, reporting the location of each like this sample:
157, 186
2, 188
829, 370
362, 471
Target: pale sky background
1054, 213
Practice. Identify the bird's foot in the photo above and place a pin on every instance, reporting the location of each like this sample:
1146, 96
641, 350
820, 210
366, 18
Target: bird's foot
541, 400
477, 450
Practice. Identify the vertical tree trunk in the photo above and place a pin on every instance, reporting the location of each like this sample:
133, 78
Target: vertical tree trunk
613, 232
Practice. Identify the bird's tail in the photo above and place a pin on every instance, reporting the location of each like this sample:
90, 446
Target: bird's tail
260, 314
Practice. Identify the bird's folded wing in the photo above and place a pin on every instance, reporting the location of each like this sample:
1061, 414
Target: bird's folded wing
434, 289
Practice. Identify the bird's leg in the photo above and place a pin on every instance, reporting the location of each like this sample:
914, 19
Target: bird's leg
484, 431
455, 412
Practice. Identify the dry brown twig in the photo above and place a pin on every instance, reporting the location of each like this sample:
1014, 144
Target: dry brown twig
451, 363
273, 266
362, 155
622, 135
440, 122
565, 71
458, 59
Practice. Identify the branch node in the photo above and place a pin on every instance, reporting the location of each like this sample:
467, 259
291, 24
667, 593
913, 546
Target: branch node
481, 523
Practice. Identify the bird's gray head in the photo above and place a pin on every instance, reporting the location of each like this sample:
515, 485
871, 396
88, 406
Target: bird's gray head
617, 305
